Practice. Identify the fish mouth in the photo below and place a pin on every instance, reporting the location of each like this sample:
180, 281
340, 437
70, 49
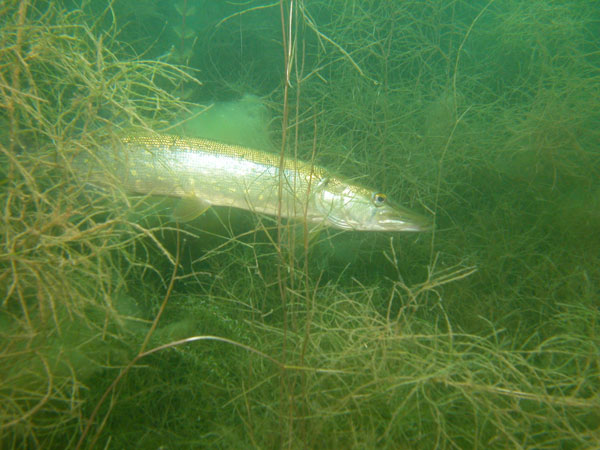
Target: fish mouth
403, 225
404, 220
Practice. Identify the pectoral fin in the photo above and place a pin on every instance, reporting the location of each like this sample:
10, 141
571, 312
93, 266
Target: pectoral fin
189, 208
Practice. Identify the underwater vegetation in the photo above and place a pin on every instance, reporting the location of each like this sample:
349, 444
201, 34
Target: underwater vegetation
121, 327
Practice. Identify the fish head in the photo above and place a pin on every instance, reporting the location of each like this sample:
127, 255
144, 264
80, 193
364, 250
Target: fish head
351, 207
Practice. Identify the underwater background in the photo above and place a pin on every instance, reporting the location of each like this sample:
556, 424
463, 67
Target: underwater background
121, 327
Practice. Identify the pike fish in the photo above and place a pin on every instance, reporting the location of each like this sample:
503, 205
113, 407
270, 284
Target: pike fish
214, 173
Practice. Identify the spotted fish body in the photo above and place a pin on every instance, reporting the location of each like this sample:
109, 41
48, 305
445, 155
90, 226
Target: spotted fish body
230, 175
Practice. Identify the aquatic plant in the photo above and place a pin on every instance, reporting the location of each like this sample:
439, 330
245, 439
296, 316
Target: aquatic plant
121, 328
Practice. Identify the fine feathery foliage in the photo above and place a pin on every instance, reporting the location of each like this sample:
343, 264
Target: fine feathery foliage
120, 328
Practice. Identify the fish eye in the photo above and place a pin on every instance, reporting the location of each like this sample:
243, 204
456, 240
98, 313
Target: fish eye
379, 199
